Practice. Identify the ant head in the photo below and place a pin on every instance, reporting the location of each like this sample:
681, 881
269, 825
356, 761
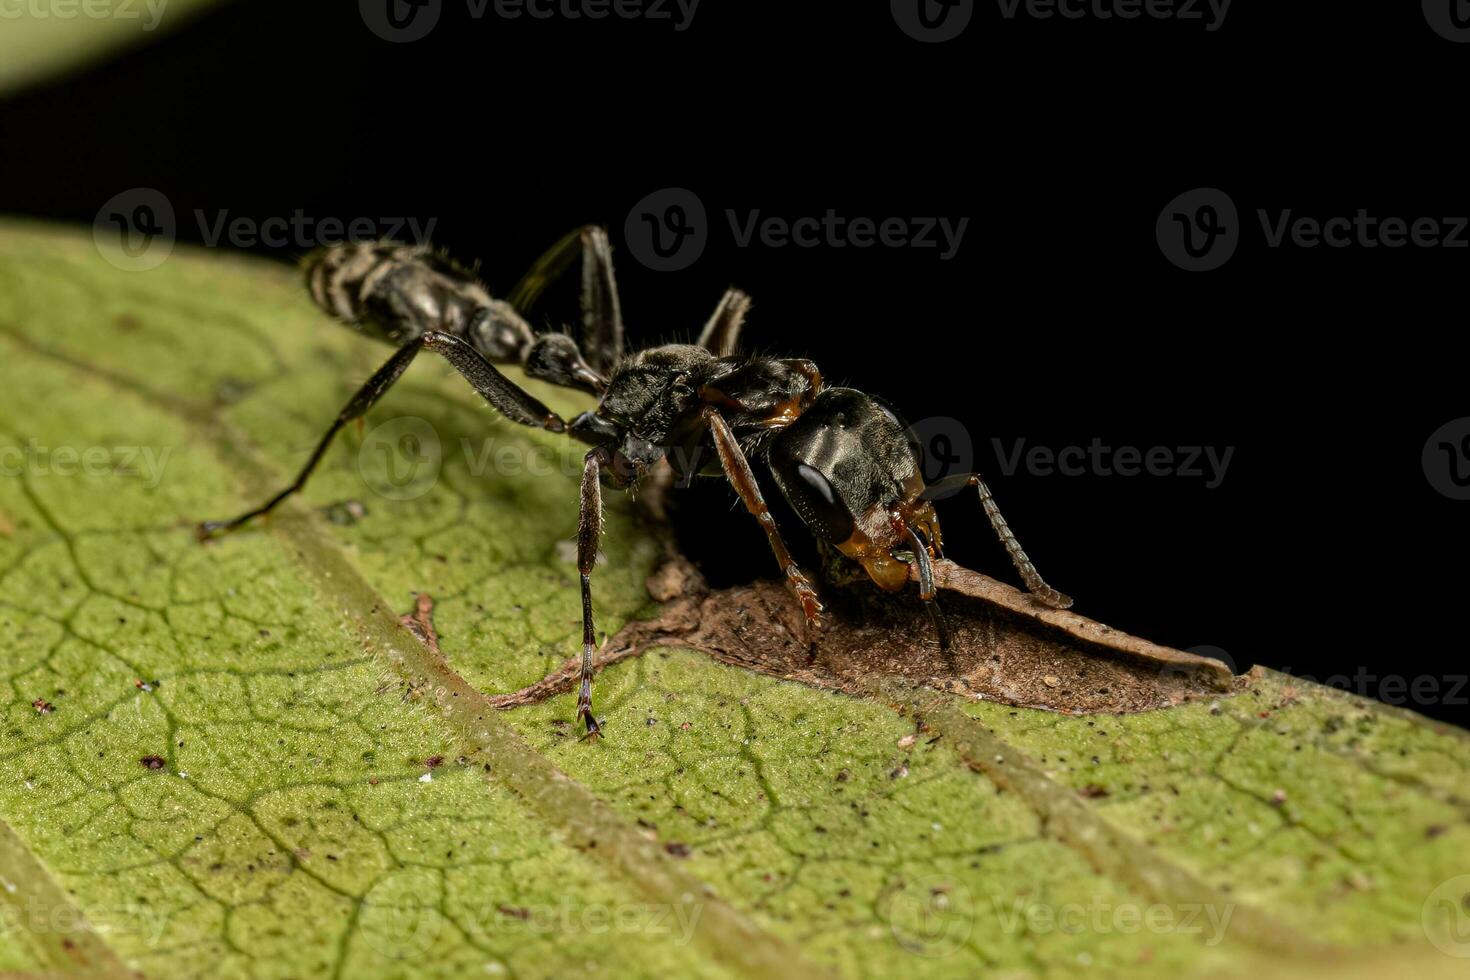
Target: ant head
554, 357
630, 456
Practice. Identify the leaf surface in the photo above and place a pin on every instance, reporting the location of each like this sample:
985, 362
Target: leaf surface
248, 766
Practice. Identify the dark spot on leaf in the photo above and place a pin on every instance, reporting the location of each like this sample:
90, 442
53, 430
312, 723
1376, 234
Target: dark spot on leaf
677, 849
153, 762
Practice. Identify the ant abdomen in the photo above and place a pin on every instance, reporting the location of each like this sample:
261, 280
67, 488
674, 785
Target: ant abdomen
847, 466
397, 293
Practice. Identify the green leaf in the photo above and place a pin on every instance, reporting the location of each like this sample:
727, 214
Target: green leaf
244, 763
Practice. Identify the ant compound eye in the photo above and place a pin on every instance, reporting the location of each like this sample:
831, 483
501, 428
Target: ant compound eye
816, 500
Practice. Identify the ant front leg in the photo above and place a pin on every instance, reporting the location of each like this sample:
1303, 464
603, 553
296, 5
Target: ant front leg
503, 395
927, 591
589, 533
1034, 582
742, 478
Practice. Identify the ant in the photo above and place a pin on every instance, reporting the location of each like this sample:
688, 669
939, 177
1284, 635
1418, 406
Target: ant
845, 461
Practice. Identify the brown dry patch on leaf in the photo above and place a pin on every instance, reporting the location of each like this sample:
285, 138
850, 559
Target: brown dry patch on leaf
1006, 646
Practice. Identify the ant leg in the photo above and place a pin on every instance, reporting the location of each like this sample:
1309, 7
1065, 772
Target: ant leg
742, 478
927, 592
1029, 575
721, 335
502, 394
589, 533
602, 317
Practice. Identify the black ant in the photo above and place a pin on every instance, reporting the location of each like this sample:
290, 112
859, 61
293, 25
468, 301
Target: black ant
845, 461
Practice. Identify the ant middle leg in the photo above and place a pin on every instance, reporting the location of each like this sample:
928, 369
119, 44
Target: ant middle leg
503, 395
742, 478
721, 334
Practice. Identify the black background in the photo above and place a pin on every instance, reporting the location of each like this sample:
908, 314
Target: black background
1325, 550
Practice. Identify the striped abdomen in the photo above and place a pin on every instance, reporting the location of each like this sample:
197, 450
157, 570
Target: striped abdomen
397, 293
